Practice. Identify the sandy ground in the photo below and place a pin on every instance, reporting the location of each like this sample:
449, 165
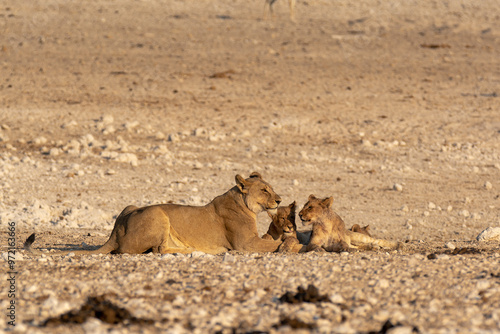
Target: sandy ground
391, 107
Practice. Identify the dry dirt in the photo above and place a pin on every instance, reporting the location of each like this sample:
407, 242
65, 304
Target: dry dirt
392, 107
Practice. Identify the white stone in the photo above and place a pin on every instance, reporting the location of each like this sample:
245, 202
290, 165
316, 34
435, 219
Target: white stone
197, 254
450, 245
110, 172
54, 151
109, 129
397, 187
401, 330
40, 140
488, 185
228, 258
337, 298
464, 213
490, 234
383, 283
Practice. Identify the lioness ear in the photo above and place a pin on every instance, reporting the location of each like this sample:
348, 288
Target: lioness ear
256, 175
241, 183
312, 197
327, 202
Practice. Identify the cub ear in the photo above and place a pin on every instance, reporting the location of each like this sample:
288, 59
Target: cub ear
256, 175
292, 205
241, 183
327, 202
312, 197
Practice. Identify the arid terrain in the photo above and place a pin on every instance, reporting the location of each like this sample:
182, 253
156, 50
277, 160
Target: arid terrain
391, 107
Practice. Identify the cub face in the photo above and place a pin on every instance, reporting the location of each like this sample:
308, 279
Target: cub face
284, 219
314, 209
258, 194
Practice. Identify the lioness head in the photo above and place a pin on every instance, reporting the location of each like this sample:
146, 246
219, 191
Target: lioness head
258, 194
314, 209
284, 219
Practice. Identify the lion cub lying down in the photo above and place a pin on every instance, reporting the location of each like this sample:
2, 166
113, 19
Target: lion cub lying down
329, 232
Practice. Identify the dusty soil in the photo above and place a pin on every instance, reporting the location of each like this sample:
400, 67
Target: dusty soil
391, 107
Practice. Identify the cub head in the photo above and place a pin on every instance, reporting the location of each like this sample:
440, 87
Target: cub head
363, 230
314, 209
284, 219
258, 194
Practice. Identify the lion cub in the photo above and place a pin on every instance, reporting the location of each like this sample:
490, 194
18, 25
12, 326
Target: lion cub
282, 223
329, 232
283, 228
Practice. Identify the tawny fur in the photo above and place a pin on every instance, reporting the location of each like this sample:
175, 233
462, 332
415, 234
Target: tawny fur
282, 223
229, 222
329, 232
359, 229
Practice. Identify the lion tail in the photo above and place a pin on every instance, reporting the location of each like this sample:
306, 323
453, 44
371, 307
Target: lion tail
364, 241
107, 248
29, 242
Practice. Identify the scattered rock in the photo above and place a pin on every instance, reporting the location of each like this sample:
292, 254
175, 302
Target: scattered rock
397, 187
309, 295
490, 234
228, 258
450, 245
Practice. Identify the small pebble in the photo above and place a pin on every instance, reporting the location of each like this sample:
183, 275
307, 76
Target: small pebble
450, 245
464, 213
110, 172
397, 187
228, 258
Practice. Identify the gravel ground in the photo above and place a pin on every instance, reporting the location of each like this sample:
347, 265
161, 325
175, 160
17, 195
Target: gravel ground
390, 107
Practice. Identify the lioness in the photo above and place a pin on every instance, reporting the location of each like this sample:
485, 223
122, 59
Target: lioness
227, 223
329, 232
